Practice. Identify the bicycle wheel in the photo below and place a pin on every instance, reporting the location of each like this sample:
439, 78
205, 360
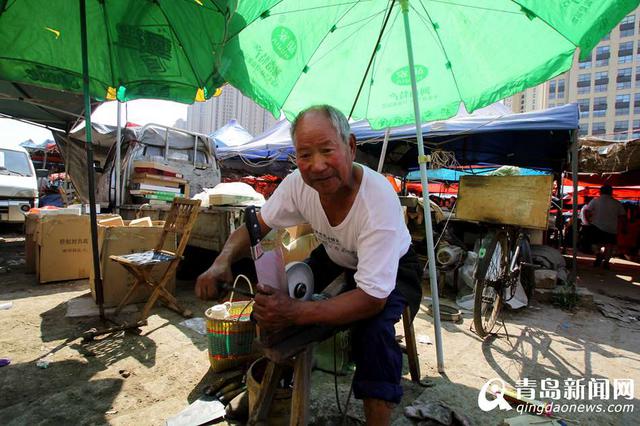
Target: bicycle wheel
488, 283
524, 260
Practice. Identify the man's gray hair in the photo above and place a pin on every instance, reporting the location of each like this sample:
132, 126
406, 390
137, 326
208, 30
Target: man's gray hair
337, 118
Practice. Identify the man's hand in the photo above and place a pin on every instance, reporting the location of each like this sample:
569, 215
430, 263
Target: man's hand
274, 309
209, 282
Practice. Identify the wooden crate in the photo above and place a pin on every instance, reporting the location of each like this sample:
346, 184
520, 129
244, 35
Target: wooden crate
510, 200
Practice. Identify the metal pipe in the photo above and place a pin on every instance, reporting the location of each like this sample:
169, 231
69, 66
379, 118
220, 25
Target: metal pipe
574, 209
383, 153
90, 166
422, 160
118, 159
195, 150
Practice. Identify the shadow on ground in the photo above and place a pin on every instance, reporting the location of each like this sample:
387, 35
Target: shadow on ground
39, 399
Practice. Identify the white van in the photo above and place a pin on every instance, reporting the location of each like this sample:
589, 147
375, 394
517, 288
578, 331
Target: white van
18, 183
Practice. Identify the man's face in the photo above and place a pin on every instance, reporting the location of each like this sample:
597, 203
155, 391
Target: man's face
324, 160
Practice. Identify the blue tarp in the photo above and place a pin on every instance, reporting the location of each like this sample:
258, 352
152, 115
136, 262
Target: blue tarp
231, 134
451, 175
564, 117
274, 144
537, 139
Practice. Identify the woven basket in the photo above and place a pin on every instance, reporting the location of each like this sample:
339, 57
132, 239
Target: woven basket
231, 339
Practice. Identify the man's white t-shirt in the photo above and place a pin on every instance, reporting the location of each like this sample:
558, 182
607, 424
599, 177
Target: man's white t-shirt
371, 239
605, 211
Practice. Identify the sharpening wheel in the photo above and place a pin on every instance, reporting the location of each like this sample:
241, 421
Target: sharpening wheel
299, 280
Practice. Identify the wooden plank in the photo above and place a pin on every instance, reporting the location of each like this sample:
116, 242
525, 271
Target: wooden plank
158, 177
509, 200
266, 392
412, 350
301, 388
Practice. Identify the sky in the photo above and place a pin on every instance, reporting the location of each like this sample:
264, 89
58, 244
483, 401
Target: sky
138, 112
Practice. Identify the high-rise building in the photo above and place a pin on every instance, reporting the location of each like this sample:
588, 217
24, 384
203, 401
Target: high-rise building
605, 85
206, 117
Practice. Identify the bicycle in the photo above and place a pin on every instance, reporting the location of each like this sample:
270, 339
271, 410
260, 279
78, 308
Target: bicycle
504, 259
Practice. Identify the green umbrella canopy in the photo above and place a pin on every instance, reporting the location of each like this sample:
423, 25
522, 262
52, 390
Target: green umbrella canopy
161, 49
305, 52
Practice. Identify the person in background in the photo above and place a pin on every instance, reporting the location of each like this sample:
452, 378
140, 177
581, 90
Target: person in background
584, 228
604, 214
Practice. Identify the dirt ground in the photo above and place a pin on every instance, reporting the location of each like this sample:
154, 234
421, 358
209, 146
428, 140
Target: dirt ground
85, 383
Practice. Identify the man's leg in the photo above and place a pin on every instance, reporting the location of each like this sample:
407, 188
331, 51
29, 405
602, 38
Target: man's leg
378, 361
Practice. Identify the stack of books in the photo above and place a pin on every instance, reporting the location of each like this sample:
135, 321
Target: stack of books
156, 183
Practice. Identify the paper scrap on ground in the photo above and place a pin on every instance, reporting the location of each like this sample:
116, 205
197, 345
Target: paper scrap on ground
6, 306
202, 410
198, 324
84, 306
424, 339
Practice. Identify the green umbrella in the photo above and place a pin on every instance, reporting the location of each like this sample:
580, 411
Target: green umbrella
116, 49
365, 58
165, 49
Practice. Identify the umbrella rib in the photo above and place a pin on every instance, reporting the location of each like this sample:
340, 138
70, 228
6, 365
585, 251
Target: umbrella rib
547, 24
195, 74
476, 7
373, 55
373, 70
317, 47
369, 19
314, 8
444, 51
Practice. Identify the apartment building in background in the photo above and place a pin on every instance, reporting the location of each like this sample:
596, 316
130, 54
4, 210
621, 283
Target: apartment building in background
207, 117
605, 85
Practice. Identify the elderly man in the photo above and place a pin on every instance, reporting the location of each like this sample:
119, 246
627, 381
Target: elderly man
604, 214
357, 217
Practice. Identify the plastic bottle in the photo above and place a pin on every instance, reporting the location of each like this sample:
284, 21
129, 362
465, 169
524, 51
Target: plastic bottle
218, 311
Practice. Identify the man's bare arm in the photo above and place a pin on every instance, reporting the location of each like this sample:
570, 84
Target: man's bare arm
275, 310
235, 248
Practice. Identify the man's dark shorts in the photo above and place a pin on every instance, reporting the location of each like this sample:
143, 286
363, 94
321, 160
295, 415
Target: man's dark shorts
376, 352
598, 236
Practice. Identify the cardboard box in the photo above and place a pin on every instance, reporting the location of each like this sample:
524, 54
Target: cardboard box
63, 248
30, 227
118, 240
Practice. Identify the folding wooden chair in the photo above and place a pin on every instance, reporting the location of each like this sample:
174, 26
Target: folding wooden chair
179, 220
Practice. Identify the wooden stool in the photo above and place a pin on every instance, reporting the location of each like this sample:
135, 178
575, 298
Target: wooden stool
302, 364
410, 349
280, 355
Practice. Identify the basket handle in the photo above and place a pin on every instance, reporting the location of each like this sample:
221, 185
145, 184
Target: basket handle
235, 282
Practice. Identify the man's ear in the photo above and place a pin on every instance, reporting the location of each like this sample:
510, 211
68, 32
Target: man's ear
352, 144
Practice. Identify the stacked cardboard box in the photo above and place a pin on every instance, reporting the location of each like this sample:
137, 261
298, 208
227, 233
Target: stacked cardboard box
118, 237
156, 183
59, 246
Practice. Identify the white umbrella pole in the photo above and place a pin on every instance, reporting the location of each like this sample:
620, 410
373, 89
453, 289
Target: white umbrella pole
383, 152
118, 160
422, 160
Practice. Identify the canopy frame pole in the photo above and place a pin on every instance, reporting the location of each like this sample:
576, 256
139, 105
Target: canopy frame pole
560, 221
422, 160
90, 165
118, 165
574, 207
383, 153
